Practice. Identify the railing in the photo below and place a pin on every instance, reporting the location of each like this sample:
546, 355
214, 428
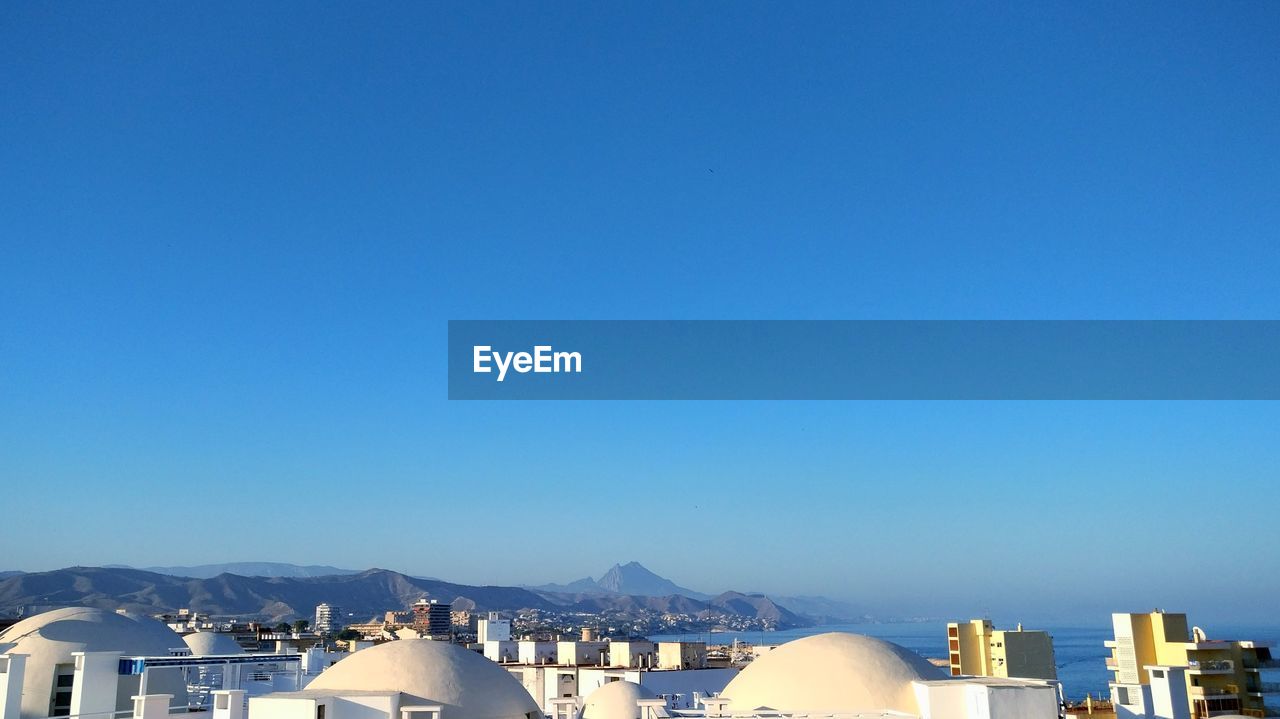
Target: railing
1214, 665
1211, 692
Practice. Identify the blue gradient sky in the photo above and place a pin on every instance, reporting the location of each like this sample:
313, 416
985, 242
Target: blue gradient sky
233, 234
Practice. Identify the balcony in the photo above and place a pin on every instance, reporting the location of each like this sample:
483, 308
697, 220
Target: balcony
1212, 666
1212, 692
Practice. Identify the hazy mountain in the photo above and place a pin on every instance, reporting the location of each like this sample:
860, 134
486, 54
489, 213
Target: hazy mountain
631, 578
11, 573
759, 606
245, 569
635, 580
364, 594
586, 585
825, 610
730, 603
272, 598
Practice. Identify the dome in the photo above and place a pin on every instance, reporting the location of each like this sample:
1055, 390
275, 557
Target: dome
616, 700
48, 640
464, 682
831, 673
210, 644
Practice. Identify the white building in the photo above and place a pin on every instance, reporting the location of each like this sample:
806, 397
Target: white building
493, 628
1164, 697
682, 655
95, 664
636, 654
408, 679
501, 651
849, 674
536, 652
66, 650
328, 619
575, 653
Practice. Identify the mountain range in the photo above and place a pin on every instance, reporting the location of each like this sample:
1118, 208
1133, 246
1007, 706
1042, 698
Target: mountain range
244, 569
360, 595
634, 579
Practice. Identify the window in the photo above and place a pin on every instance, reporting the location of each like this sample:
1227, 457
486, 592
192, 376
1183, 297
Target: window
319, 711
66, 680
1157, 673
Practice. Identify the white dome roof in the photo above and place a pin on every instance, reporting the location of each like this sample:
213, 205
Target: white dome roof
208, 644
616, 700
831, 673
464, 682
49, 639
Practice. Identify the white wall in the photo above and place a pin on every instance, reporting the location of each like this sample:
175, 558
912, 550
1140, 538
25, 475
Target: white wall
579, 652
1139, 700
284, 708
365, 707
962, 699
1020, 703
531, 652
1169, 693
12, 670
544, 683
497, 651
633, 654
942, 700
493, 630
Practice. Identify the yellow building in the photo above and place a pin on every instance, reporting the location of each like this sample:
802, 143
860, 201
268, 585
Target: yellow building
978, 649
1222, 677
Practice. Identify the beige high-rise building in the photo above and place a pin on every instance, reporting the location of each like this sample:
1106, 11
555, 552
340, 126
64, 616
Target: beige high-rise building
978, 649
1221, 676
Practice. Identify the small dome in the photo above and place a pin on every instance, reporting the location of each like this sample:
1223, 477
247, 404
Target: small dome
211, 644
616, 700
831, 673
48, 640
467, 685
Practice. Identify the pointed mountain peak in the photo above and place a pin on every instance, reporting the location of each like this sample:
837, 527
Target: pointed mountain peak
635, 579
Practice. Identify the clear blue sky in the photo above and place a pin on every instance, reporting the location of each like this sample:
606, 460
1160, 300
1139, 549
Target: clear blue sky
233, 234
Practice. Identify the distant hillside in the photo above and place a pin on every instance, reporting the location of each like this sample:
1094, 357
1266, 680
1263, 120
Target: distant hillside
10, 574
363, 594
245, 569
631, 578
759, 606
271, 598
824, 610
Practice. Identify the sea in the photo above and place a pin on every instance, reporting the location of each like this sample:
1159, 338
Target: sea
1080, 655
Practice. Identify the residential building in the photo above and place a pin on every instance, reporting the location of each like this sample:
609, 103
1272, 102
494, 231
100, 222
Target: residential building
978, 649
581, 652
637, 654
431, 618
493, 628
1220, 677
328, 620
682, 655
